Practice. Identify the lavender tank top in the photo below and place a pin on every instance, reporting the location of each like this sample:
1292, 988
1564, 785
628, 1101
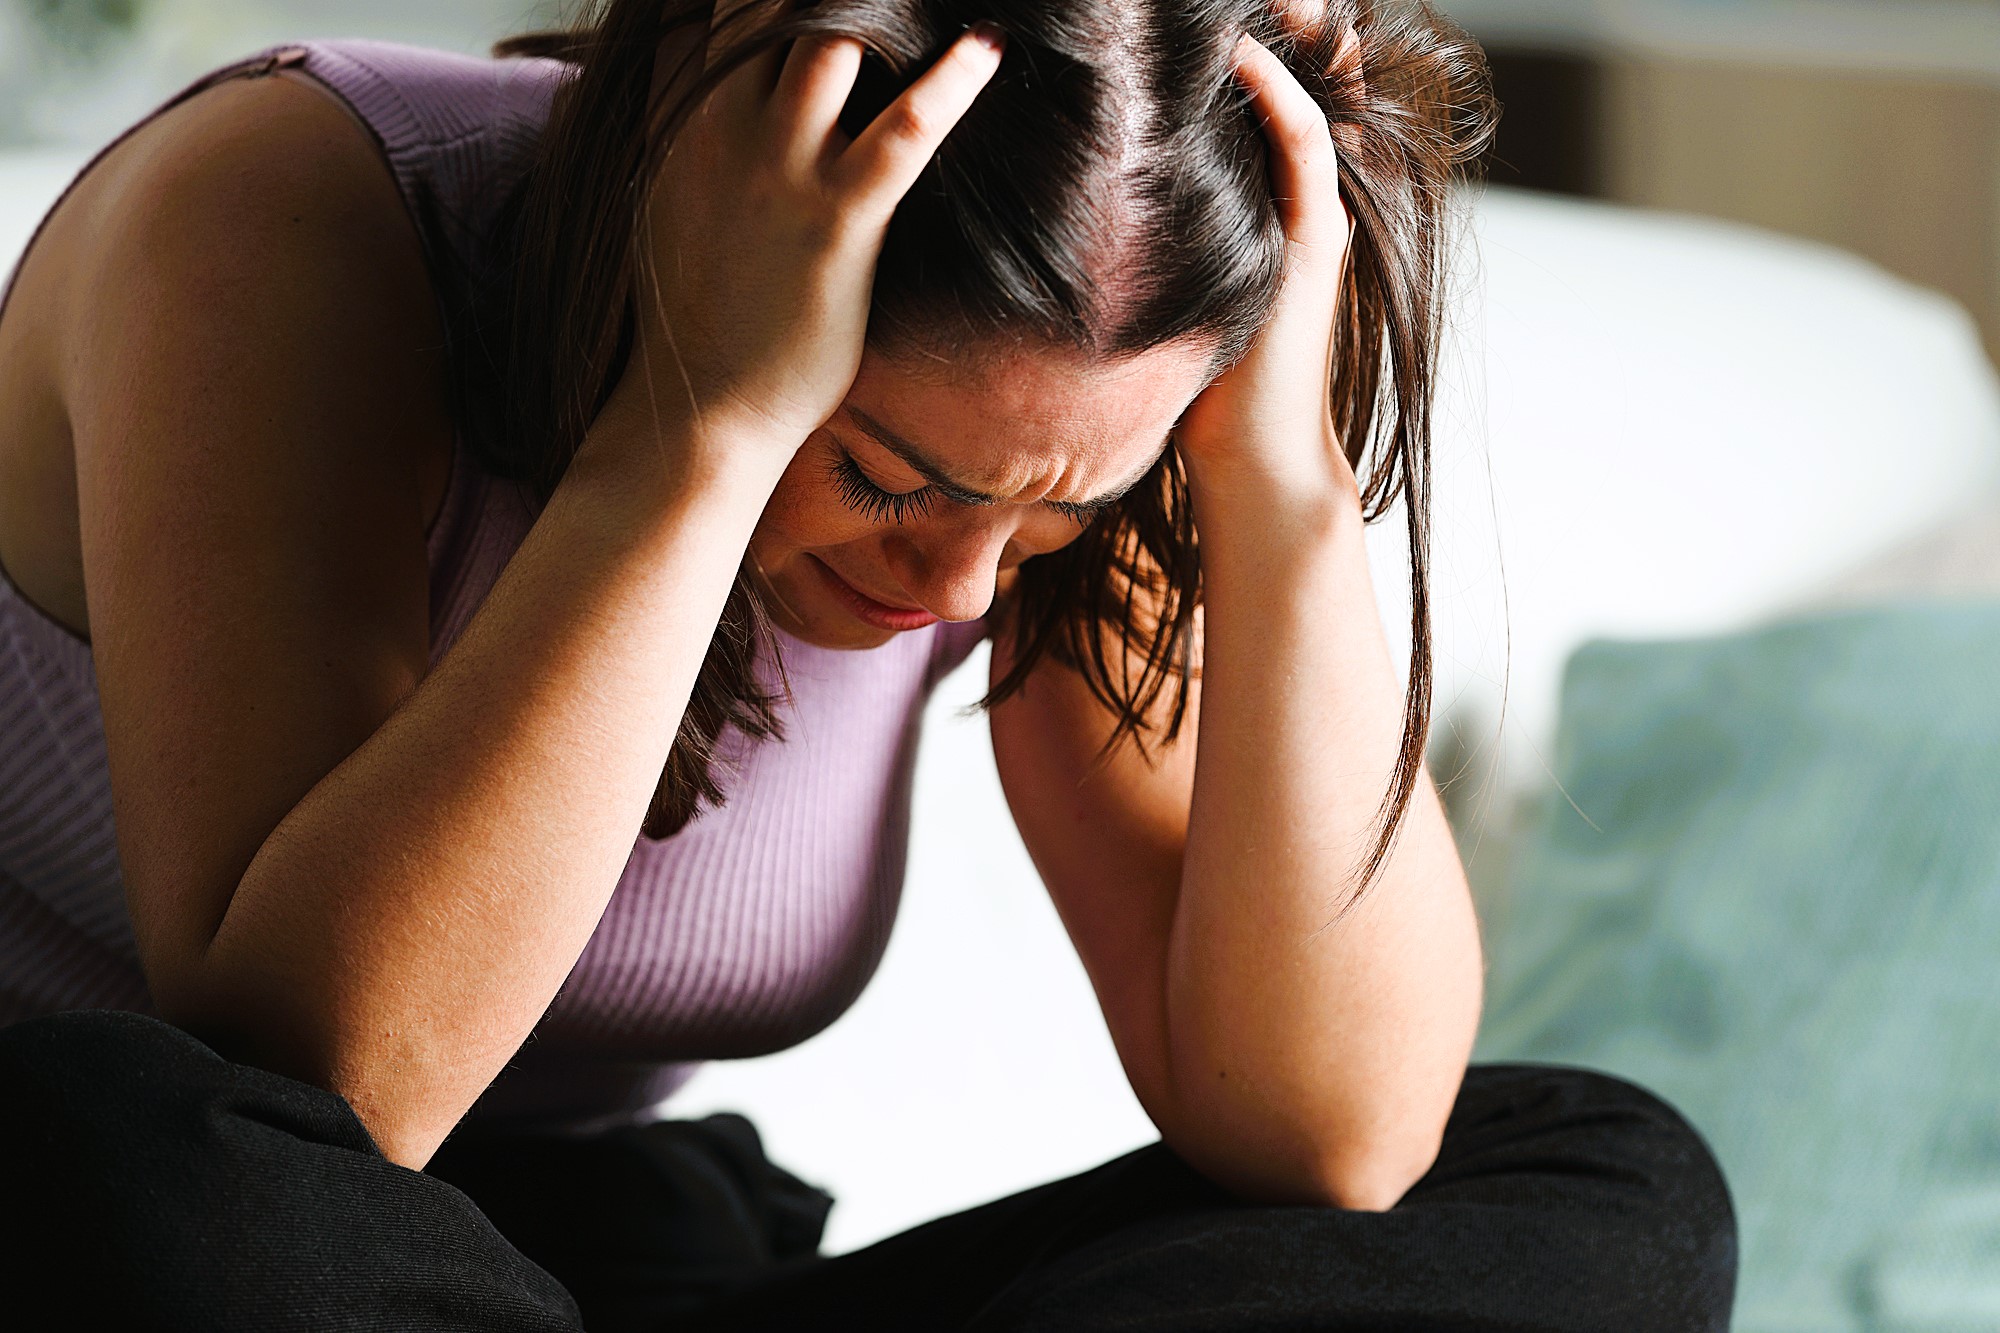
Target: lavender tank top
749, 931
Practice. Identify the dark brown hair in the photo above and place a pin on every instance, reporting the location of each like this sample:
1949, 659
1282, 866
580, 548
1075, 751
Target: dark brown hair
1004, 236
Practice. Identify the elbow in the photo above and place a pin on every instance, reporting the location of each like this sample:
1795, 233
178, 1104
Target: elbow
400, 1080
1372, 1176
374, 1085
191, 998
1358, 1158
216, 1005
1357, 1172
235, 1028
405, 1085
245, 1004
192, 984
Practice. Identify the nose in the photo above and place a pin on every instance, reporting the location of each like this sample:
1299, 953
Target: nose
951, 574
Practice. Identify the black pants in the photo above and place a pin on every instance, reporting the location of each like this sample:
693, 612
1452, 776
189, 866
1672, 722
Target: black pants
146, 1183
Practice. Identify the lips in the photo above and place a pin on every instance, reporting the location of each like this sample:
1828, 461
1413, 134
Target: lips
865, 608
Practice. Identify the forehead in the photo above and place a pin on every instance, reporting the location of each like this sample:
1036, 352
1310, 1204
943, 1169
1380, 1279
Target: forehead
1017, 417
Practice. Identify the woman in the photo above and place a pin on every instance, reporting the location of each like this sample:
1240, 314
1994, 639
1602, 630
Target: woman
626, 462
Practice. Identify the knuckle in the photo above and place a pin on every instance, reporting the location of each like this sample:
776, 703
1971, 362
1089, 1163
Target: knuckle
1308, 137
909, 124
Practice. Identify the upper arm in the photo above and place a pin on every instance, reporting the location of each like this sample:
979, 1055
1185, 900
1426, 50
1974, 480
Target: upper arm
251, 372
1106, 834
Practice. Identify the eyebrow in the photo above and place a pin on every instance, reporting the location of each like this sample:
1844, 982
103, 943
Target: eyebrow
952, 489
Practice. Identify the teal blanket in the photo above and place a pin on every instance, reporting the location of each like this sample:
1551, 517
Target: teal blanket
1776, 902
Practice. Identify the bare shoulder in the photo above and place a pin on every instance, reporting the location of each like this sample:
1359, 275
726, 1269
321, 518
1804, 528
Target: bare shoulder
235, 325
256, 175
256, 216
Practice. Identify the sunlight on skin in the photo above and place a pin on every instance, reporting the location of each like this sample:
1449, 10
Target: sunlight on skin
1030, 426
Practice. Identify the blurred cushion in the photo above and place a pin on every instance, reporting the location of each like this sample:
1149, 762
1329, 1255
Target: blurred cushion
1770, 890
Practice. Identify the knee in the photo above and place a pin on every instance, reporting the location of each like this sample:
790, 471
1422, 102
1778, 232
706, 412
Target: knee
1624, 1163
1593, 1124
60, 1068
107, 1095
79, 1093
77, 1061
1518, 1098
85, 1092
79, 1036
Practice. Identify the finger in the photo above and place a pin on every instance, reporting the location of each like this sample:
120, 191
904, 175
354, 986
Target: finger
813, 87
1305, 169
888, 156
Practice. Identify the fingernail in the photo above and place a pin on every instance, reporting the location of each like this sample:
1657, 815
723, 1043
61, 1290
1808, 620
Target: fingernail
988, 35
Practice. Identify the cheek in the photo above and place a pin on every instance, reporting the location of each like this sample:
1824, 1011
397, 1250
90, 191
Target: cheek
1040, 534
805, 511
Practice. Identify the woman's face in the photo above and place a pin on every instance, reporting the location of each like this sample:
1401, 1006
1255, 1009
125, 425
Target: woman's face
932, 482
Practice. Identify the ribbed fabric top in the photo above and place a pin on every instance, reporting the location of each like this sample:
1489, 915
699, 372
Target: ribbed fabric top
749, 931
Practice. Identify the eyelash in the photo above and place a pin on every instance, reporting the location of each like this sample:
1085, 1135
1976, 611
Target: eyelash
864, 496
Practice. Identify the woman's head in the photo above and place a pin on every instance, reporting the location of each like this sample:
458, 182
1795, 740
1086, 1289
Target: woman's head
936, 479
1094, 241
1042, 315
1106, 192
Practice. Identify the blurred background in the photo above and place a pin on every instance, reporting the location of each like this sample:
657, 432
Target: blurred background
1871, 124
78, 71
1717, 511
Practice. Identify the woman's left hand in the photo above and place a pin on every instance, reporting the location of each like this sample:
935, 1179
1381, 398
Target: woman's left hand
1267, 421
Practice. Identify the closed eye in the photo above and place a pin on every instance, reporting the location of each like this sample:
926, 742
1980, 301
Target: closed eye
1083, 515
863, 496
858, 492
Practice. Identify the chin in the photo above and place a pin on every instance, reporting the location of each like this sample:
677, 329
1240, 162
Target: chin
808, 615
849, 637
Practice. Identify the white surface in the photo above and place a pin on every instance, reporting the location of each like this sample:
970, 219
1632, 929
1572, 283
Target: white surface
1664, 426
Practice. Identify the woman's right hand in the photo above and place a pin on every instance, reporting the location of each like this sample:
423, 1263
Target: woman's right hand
763, 230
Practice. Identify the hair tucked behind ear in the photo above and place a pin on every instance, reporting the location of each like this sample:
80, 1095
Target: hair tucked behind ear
1114, 143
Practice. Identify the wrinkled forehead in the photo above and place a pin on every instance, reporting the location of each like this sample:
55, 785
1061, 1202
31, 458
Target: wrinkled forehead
1009, 412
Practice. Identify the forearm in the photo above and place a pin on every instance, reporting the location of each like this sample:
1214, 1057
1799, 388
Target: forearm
1309, 1062
408, 922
